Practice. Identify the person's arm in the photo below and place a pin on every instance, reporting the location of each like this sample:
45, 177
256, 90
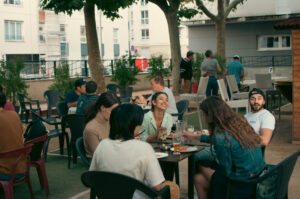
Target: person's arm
223, 149
265, 136
203, 73
242, 74
267, 127
152, 136
92, 140
219, 69
226, 72
72, 104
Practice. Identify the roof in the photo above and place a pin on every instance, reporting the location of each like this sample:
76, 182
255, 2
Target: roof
292, 23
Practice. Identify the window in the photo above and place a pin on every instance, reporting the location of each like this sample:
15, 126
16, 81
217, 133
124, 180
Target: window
64, 49
131, 18
144, 17
82, 34
13, 31
144, 2
274, 42
42, 38
145, 33
115, 35
62, 27
12, 2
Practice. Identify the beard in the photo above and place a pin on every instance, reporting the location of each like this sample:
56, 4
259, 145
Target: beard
257, 108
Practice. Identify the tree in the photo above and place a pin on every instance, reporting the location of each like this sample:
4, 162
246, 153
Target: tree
224, 8
110, 9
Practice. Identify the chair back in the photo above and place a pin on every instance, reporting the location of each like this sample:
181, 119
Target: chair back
263, 148
182, 106
52, 98
264, 81
112, 87
81, 151
232, 84
36, 142
107, 185
202, 86
223, 90
75, 123
62, 108
21, 99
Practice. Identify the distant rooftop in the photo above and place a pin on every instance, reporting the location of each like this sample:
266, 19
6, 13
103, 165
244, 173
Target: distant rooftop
292, 23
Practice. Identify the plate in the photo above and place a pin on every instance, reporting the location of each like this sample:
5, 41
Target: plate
160, 155
186, 149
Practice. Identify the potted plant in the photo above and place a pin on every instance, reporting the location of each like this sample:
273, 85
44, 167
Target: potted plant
125, 75
196, 65
156, 67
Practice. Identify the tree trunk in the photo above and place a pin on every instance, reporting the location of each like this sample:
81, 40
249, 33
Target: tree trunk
220, 30
171, 17
94, 59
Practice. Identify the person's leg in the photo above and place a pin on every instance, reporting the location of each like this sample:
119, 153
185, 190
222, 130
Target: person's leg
202, 182
187, 86
209, 87
215, 86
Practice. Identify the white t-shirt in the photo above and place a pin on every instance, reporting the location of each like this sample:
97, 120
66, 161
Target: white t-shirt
260, 120
133, 158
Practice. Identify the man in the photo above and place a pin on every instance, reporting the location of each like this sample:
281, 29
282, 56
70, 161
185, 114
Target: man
73, 95
235, 68
209, 68
158, 85
11, 138
261, 120
186, 72
90, 96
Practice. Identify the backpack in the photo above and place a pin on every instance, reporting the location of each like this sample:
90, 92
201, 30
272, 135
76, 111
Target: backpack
34, 130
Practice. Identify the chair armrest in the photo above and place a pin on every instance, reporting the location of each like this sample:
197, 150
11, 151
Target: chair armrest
165, 191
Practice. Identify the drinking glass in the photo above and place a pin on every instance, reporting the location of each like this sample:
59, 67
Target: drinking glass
176, 143
190, 129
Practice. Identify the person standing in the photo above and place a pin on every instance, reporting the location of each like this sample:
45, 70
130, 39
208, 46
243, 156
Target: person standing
209, 68
235, 68
186, 72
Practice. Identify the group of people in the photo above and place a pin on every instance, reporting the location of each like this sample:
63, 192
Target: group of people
209, 68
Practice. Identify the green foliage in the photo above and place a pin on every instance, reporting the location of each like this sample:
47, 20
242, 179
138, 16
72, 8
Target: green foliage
196, 65
125, 72
186, 12
156, 67
63, 83
222, 63
10, 79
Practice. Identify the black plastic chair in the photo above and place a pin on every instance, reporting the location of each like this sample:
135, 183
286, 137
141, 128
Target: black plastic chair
81, 151
283, 170
182, 106
112, 87
76, 124
263, 148
62, 109
108, 185
52, 97
24, 109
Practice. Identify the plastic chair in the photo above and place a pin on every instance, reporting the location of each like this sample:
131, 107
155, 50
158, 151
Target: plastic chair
284, 171
76, 124
234, 89
108, 185
62, 109
182, 107
40, 164
8, 185
263, 148
52, 98
112, 87
24, 109
81, 151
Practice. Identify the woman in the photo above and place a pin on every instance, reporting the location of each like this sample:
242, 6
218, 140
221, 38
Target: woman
97, 122
157, 119
237, 150
121, 153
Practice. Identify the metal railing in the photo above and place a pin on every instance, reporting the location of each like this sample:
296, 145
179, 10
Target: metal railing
261, 61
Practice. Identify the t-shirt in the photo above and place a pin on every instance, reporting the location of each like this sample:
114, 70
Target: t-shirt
210, 66
260, 120
84, 100
9, 106
133, 158
71, 96
235, 68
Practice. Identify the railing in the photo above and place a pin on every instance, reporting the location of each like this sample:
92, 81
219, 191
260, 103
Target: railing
260, 61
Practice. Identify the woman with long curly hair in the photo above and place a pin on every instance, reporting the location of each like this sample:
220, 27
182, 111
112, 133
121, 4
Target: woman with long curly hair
237, 151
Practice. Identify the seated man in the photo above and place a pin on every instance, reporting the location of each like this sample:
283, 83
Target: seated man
90, 96
11, 138
158, 85
261, 120
73, 95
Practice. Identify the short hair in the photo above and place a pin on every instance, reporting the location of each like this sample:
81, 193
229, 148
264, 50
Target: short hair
208, 53
189, 53
79, 82
91, 87
158, 80
2, 99
154, 97
123, 121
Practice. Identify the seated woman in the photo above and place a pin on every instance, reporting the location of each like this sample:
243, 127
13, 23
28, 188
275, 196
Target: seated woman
97, 122
157, 119
237, 151
123, 154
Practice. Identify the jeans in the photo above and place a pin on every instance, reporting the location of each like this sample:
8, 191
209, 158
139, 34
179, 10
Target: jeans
212, 87
7, 177
205, 157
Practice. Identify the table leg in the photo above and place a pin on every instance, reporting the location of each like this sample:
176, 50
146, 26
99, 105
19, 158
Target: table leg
191, 167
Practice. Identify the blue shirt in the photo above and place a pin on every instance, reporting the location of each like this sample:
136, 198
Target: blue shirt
235, 68
84, 100
71, 96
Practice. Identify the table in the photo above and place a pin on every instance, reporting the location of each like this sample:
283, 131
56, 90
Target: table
171, 160
252, 82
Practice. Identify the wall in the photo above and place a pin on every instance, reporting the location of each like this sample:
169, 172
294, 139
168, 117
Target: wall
278, 71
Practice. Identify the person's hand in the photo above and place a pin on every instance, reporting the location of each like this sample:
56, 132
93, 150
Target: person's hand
182, 83
191, 136
160, 131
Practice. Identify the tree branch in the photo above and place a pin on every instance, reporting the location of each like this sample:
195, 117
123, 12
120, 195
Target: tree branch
162, 4
231, 6
205, 10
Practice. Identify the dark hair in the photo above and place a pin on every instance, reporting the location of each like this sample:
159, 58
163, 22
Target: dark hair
220, 117
2, 99
91, 87
106, 99
189, 53
79, 82
154, 97
123, 121
158, 80
208, 53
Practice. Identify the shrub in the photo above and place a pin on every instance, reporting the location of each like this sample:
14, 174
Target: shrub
156, 67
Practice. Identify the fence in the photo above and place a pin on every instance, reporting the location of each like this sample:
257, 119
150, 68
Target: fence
259, 61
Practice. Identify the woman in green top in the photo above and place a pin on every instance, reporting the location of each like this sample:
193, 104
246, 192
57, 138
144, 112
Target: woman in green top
157, 119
